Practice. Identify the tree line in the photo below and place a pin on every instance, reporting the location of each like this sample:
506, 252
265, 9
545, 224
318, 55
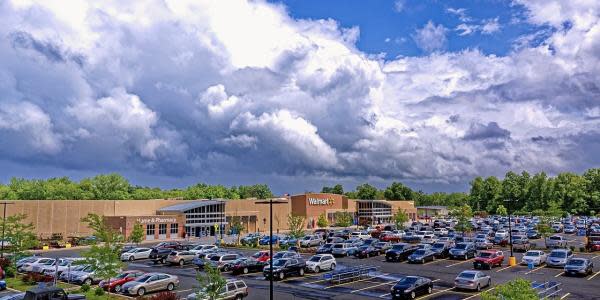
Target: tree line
116, 187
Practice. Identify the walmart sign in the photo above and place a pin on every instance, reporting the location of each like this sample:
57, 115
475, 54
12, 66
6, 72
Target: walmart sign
318, 201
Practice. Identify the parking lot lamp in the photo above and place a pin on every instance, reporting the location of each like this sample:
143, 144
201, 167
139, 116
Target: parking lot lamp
512, 261
271, 202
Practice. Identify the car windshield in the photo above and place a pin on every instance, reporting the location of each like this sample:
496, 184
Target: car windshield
143, 278
327, 245
559, 254
532, 253
576, 262
315, 258
306, 238
398, 247
64, 263
122, 275
279, 262
467, 275
338, 246
555, 238
461, 246
438, 245
420, 252
363, 248
380, 244
257, 254
408, 280
215, 258
485, 254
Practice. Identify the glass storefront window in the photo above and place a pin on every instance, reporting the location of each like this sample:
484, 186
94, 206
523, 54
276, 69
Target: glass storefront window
174, 228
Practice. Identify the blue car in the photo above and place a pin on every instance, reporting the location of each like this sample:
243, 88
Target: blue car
265, 240
289, 241
2, 285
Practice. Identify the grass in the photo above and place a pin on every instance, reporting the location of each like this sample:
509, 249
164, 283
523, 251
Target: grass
18, 284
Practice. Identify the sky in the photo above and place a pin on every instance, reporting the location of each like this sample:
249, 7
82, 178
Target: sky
299, 94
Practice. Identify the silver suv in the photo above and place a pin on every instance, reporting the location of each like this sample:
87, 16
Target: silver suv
558, 257
321, 262
311, 241
343, 249
234, 289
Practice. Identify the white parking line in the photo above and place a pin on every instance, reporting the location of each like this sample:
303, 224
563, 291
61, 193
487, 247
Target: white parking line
458, 263
374, 286
440, 291
508, 267
370, 278
565, 296
559, 274
533, 270
473, 296
591, 277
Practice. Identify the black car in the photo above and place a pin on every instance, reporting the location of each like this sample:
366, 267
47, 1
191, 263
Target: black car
421, 256
159, 255
463, 250
382, 246
285, 267
245, 265
325, 248
533, 234
410, 287
399, 252
440, 249
366, 251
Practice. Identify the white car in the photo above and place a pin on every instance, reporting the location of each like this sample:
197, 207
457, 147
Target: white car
440, 231
321, 262
501, 233
398, 233
203, 249
360, 235
136, 253
536, 257
63, 265
37, 263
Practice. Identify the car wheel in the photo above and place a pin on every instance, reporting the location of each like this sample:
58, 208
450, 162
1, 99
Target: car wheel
332, 266
117, 288
317, 269
87, 281
245, 271
141, 292
281, 275
429, 290
226, 268
170, 287
239, 297
489, 283
163, 260
181, 262
422, 261
131, 258
413, 295
478, 287
301, 272
466, 256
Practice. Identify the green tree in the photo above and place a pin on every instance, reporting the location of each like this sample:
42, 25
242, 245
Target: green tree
137, 234
296, 225
477, 194
492, 187
258, 191
337, 189
20, 235
212, 283
104, 255
322, 221
343, 219
516, 289
400, 217
366, 191
237, 227
463, 215
398, 191
501, 210
110, 186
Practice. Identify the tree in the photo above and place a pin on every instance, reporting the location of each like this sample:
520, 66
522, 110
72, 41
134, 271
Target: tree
477, 194
322, 221
366, 192
104, 255
463, 215
212, 283
237, 227
137, 234
398, 191
20, 235
400, 217
337, 189
296, 225
516, 289
501, 210
343, 219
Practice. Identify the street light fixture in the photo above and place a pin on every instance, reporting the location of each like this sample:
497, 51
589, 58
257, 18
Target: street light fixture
271, 202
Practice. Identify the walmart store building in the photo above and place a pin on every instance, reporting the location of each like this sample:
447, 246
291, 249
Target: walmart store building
169, 219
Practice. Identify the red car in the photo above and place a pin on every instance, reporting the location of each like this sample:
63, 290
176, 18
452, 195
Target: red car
389, 237
261, 256
488, 259
116, 283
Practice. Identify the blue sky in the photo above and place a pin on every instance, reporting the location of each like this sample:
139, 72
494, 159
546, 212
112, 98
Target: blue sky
171, 93
389, 26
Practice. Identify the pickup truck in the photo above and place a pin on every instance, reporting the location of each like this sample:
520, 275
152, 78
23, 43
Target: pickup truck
488, 259
42, 293
159, 255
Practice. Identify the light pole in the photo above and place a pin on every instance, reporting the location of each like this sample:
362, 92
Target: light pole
512, 261
3, 227
271, 202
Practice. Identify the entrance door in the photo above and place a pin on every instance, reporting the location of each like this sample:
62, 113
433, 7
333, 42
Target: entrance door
212, 231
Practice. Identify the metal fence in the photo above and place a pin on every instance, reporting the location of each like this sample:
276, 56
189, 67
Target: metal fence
548, 289
351, 274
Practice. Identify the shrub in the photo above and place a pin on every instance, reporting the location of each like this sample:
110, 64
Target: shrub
26, 279
163, 296
572, 248
85, 288
4, 263
99, 291
9, 271
35, 277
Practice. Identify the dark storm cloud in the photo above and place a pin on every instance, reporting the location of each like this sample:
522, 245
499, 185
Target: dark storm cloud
489, 131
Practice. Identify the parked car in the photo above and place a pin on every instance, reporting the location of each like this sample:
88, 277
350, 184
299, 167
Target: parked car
399, 252
382, 246
85, 276
180, 257
579, 266
472, 280
441, 249
463, 250
410, 287
365, 251
321, 262
222, 261
325, 248
170, 245
520, 243
251, 238
288, 241
159, 255
198, 249
483, 243
265, 240
488, 259
69, 274
245, 265
558, 257
115, 284
286, 254
136, 253
261, 256
390, 237
233, 289
533, 234
360, 235
570, 229
35, 262
54, 293
501, 241
421, 256
151, 282
64, 264
343, 249
311, 241
535, 257
556, 241
285, 267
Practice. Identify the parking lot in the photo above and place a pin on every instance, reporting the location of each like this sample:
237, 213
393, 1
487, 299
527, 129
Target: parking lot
377, 285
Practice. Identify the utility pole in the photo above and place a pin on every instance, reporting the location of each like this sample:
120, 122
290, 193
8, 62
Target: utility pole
271, 202
4, 227
511, 260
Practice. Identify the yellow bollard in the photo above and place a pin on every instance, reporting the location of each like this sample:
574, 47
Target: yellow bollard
45, 247
68, 245
512, 261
